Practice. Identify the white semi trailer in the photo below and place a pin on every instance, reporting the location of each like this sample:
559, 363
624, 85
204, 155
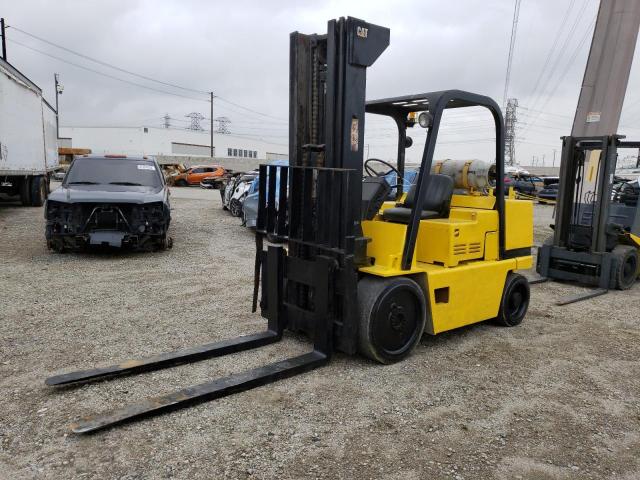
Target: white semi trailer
28, 138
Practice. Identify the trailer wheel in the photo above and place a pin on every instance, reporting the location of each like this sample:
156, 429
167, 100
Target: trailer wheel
392, 317
38, 191
515, 300
626, 272
25, 191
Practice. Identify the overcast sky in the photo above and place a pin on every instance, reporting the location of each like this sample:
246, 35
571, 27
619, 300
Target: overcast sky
240, 49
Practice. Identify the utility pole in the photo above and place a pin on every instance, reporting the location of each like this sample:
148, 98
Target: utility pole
59, 90
553, 164
3, 30
211, 117
167, 120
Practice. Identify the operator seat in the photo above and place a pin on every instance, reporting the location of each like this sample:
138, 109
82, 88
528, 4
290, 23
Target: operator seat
436, 204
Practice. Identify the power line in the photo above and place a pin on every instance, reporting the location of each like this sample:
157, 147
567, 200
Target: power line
569, 64
100, 62
512, 44
129, 72
553, 48
103, 73
556, 63
250, 110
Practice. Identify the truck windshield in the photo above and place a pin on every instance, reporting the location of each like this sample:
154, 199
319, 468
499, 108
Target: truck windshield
111, 171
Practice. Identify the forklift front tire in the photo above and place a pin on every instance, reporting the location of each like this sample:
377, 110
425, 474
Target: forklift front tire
392, 317
515, 300
626, 271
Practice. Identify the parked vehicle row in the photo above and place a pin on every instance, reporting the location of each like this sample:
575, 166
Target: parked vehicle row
240, 194
195, 175
237, 190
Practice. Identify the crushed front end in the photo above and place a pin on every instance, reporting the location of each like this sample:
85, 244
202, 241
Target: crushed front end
76, 226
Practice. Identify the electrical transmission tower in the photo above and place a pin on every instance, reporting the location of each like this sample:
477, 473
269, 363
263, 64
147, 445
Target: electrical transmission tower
195, 121
223, 124
167, 120
510, 121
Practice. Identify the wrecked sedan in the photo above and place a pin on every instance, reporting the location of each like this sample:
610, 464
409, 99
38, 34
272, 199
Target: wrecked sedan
111, 201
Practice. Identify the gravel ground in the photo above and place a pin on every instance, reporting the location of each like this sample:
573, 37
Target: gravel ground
556, 398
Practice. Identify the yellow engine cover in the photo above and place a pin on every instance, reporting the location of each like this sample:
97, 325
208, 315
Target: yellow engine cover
449, 241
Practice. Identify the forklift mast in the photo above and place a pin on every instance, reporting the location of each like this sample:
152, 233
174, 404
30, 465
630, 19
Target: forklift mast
314, 204
327, 98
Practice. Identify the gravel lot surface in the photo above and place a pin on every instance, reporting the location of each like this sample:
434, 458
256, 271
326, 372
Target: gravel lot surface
556, 398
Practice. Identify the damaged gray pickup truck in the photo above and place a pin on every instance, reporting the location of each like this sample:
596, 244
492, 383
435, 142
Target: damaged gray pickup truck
109, 201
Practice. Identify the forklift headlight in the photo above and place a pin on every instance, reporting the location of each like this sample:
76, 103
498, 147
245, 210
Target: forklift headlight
425, 119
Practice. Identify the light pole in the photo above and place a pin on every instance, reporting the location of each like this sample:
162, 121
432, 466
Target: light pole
3, 31
59, 90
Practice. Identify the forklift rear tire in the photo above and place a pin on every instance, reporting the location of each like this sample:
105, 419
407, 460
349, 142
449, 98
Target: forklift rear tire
515, 300
626, 271
392, 317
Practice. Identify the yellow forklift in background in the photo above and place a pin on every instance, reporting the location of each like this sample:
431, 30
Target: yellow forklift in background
337, 261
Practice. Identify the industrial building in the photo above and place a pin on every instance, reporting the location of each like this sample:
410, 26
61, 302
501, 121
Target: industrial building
171, 142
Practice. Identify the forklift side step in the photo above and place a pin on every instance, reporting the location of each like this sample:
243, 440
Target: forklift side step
596, 292
164, 360
206, 391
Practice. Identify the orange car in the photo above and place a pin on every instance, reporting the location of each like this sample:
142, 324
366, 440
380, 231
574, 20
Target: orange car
195, 174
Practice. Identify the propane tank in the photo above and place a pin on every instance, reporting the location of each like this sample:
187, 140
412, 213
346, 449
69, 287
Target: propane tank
468, 174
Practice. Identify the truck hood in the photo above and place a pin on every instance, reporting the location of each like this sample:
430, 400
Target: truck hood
107, 194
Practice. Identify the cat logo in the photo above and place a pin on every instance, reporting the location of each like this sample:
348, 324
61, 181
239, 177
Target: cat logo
362, 32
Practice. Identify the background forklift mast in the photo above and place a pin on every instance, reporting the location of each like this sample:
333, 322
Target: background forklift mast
596, 240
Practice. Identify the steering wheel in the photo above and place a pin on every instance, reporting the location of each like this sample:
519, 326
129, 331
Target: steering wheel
373, 173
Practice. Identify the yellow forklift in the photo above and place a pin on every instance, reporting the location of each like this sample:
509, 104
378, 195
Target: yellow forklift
339, 262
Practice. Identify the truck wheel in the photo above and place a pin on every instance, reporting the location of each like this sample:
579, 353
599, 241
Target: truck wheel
38, 191
626, 269
182, 183
25, 191
515, 300
392, 317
